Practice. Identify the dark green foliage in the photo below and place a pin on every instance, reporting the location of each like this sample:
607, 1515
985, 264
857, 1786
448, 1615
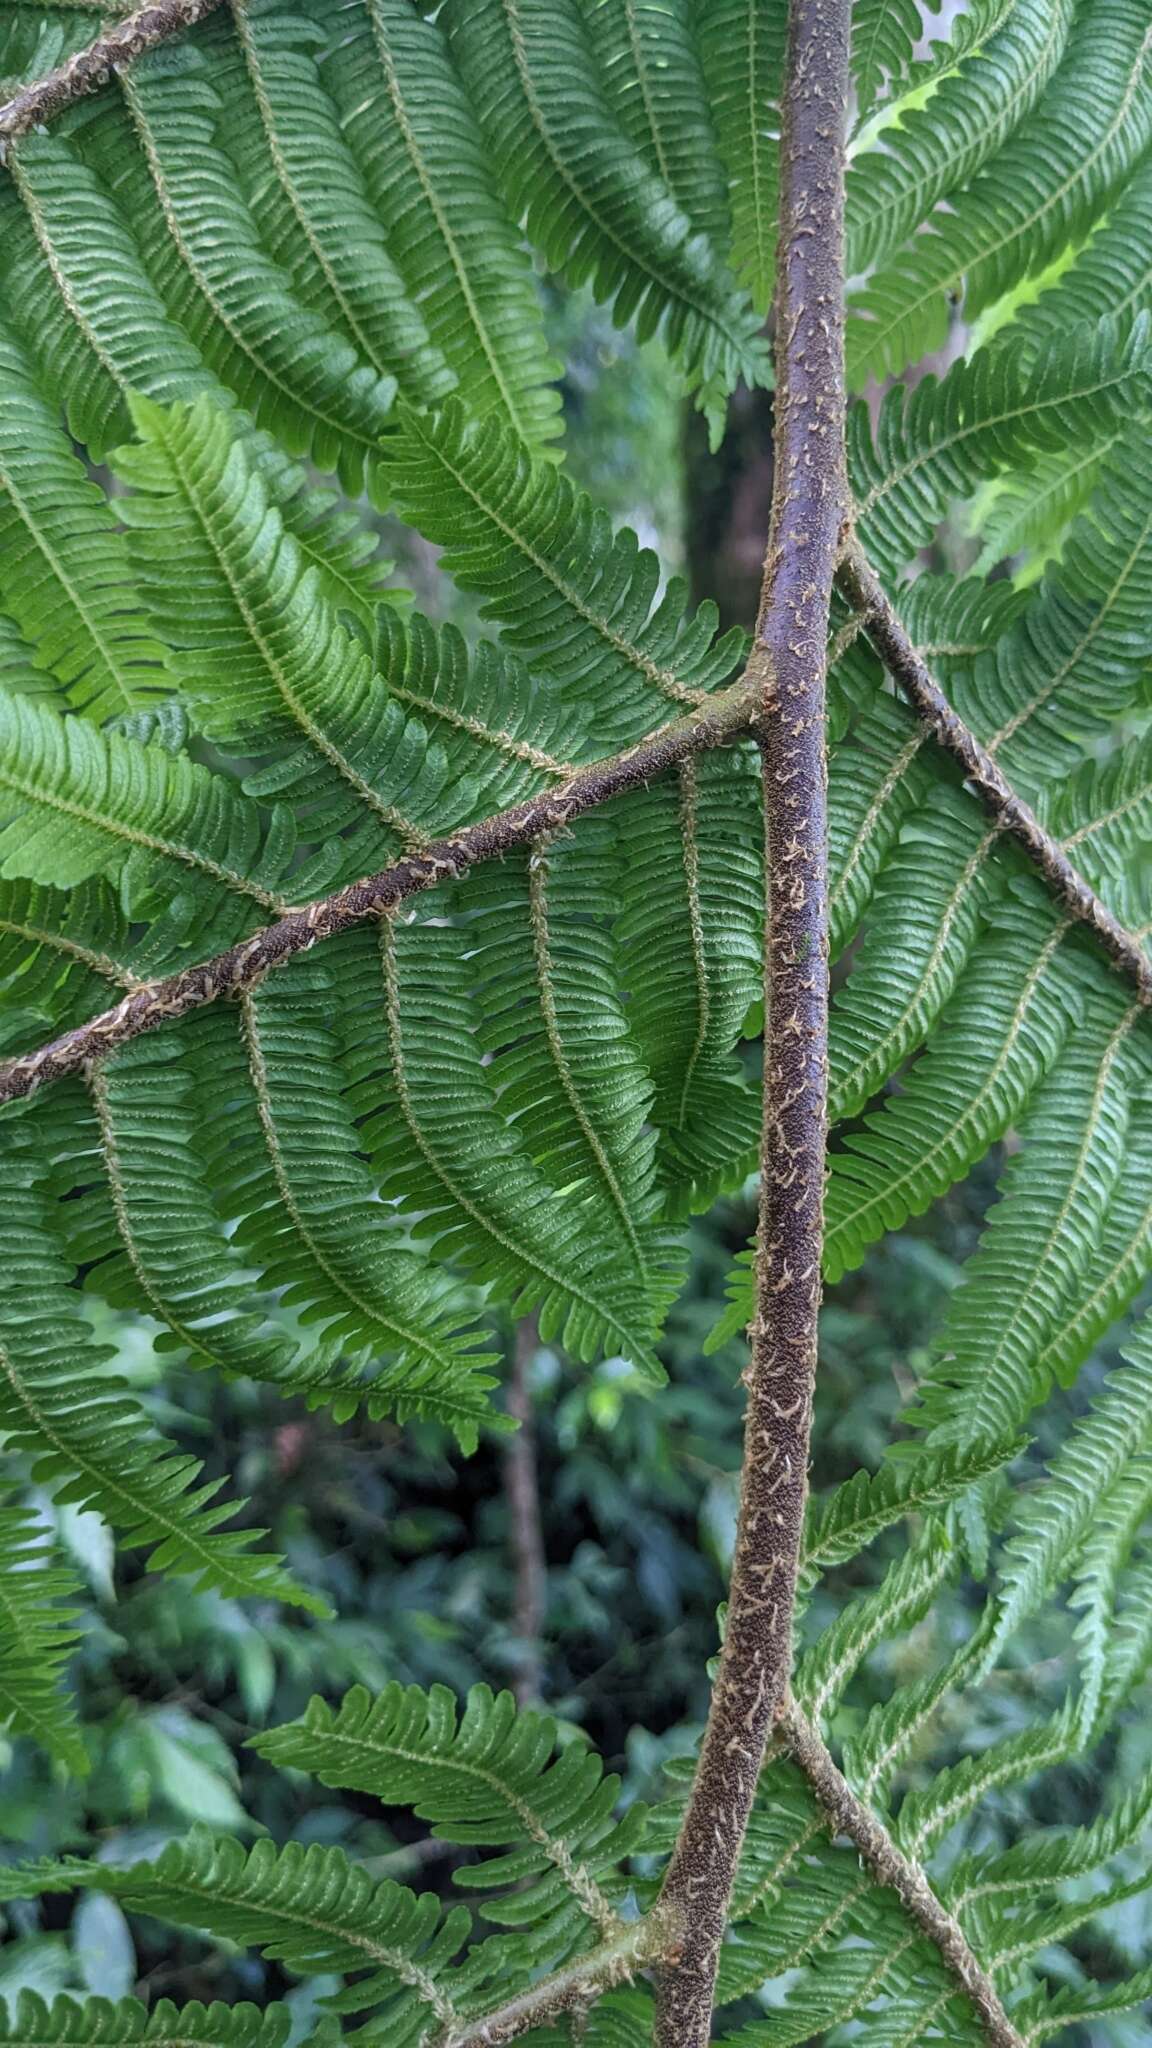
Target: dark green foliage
281, 279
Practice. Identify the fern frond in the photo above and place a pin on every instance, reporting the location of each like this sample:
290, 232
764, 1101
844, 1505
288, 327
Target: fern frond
1051, 1523
1040, 192
880, 770
39, 1599
1030, 513
931, 150
1098, 1575
572, 598
78, 803
690, 932
88, 1439
566, 1067
1055, 1855
588, 199
936, 443
77, 289
1120, 1262
930, 1812
1073, 662
1048, 2013
902, 1598
654, 84
487, 1778
286, 1169
742, 52
443, 1151
1039, 1241
297, 377
65, 577
253, 646
412, 129
100, 2023
306, 191
1112, 271
1000, 1033
865, 1505
927, 910
886, 35
310, 1908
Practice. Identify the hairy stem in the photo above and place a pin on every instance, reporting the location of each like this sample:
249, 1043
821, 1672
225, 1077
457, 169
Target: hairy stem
720, 718
522, 1489
568, 1990
849, 1816
860, 585
808, 516
92, 67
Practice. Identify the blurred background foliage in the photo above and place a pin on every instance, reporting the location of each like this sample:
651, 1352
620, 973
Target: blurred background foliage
415, 1548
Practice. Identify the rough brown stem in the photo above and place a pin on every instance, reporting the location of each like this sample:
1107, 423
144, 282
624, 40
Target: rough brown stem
860, 585
808, 515
93, 66
718, 719
849, 1816
522, 1488
567, 1990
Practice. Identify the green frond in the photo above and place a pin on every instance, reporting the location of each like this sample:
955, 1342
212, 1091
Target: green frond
1099, 1574
1029, 513
305, 189
876, 777
139, 1219
78, 292
1040, 1238
902, 1598
39, 1602
254, 647
488, 1778
1048, 2013
1074, 661
331, 538
77, 803
589, 201
1112, 271
1039, 193
286, 1169
572, 598
88, 1439
442, 1150
100, 2023
930, 900
1055, 1855
928, 151
864, 1506
881, 769
886, 35
298, 377
690, 941
411, 126
1051, 1523
64, 573
934, 445
18, 670
1001, 1032
310, 1908
742, 52
651, 68
568, 1073
505, 730
891, 1731
931, 1811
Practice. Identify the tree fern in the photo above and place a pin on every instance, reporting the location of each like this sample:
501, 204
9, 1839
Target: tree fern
350, 1035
